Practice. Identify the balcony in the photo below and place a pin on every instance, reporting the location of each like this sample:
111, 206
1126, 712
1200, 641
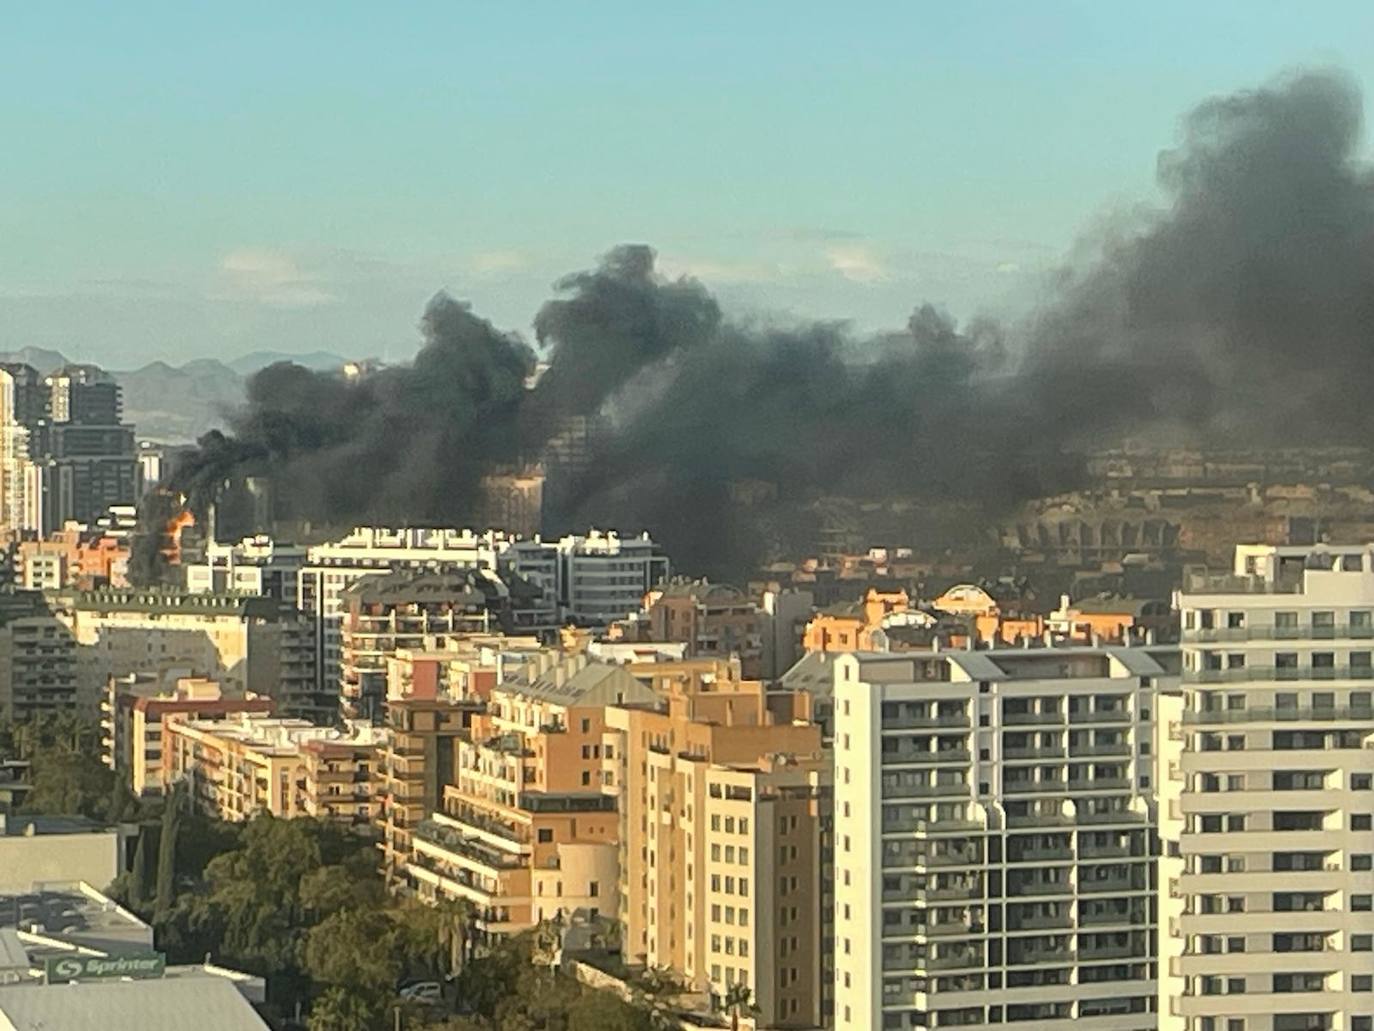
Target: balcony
933, 722
1286, 714
1101, 716
1120, 748
1042, 752
1016, 889
947, 755
1020, 719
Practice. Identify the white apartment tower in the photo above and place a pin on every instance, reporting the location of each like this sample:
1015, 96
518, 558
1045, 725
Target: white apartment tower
1268, 882
993, 825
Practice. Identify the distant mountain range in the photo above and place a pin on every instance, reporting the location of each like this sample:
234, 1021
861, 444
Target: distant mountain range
174, 404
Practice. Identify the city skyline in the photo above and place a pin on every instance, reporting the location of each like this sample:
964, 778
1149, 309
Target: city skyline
250, 190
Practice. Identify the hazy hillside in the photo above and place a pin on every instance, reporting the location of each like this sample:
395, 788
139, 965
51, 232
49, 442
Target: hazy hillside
172, 404
320, 361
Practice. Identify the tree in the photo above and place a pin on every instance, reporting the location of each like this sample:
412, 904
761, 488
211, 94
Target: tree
167, 848
340, 1009
136, 891
354, 949
602, 1011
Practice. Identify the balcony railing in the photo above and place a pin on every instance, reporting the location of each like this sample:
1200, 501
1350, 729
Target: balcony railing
1285, 714
1270, 632
1251, 674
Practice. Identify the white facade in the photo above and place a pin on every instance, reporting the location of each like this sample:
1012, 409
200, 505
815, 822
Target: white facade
255, 565
1270, 794
590, 580
329, 569
993, 824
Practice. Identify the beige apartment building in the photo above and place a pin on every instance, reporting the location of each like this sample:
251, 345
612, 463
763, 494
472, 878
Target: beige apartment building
418, 760
724, 802
247, 643
236, 768
1267, 880
528, 830
133, 712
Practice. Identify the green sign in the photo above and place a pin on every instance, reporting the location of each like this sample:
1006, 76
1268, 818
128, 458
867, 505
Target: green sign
141, 965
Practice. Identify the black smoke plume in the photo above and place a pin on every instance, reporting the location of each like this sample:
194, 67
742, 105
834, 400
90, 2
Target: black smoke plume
1244, 308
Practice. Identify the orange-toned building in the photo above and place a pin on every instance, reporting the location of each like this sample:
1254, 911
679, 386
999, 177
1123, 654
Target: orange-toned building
528, 830
73, 557
1112, 619
724, 814
989, 619
850, 626
713, 620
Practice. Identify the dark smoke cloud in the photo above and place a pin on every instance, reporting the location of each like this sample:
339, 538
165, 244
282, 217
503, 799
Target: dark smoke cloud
1244, 307
1247, 306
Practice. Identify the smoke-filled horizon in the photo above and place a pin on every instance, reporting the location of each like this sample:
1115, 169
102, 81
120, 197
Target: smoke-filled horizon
1242, 308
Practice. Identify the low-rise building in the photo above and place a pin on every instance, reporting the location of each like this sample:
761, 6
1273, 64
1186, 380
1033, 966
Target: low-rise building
57, 848
851, 626
135, 708
241, 766
74, 960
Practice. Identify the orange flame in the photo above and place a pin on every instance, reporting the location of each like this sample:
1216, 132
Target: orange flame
171, 533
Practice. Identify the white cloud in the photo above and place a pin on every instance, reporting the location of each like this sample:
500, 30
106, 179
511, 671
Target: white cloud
857, 263
487, 262
273, 278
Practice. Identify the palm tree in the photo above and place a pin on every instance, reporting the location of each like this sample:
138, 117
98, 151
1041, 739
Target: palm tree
736, 1000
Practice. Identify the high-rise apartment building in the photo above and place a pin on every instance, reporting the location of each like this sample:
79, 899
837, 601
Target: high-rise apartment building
1267, 884
331, 568
23, 409
418, 760
408, 608
88, 461
64, 453
254, 565
248, 643
528, 831
38, 667
586, 580
724, 806
993, 825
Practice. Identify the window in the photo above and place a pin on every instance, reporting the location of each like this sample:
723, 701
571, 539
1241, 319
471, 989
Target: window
1361, 821
545, 835
1361, 781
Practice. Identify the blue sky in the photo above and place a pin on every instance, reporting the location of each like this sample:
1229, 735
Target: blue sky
183, 180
